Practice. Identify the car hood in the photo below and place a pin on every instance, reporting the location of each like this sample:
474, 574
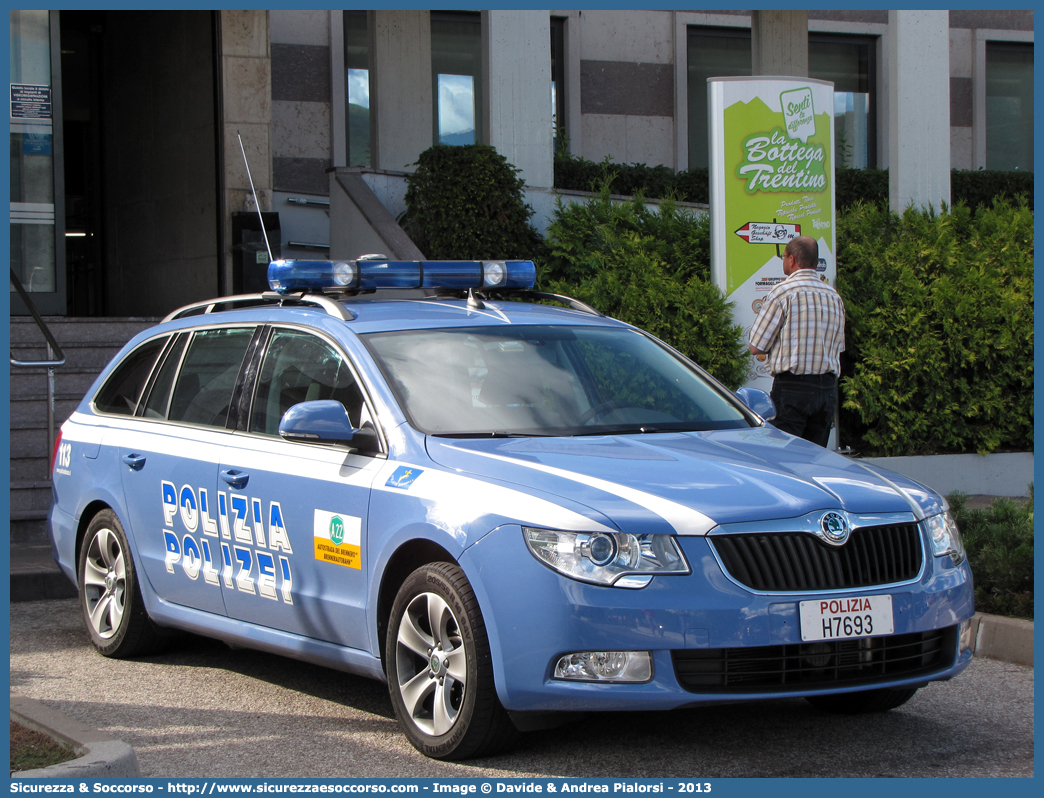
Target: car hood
690, 482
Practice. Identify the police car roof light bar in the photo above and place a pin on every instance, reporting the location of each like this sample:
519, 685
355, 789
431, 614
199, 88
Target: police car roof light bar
286, 276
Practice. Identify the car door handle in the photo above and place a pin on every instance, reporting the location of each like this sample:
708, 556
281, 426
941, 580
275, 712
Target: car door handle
237, 479
135, 461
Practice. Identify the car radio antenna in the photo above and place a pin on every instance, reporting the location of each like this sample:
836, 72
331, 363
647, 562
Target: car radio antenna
254, 192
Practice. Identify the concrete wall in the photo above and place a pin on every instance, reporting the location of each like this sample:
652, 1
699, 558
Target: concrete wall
246, 73
400, 88
360, 223
517, 64
1008, 474
918, 110
301, 100
626, 86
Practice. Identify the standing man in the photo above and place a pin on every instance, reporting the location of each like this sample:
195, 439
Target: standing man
801, 327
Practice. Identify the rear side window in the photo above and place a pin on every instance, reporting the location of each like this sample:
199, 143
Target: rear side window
122, 390
159, 394
203, 391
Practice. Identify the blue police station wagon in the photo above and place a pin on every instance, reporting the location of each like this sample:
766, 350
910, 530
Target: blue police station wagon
511, 512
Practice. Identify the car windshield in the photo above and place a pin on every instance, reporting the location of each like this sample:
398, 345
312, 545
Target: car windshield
546, 380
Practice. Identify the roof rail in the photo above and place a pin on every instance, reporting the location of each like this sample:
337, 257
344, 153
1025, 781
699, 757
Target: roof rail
331, 306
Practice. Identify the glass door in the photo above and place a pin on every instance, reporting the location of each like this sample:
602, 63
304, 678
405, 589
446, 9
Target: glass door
37, 206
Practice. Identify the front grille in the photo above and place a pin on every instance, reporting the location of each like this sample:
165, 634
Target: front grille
797, 561
805, 666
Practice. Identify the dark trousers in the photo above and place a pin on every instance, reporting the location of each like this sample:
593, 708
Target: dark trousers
805, 404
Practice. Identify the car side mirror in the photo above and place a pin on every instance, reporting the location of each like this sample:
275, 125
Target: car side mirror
758, 401
325, 421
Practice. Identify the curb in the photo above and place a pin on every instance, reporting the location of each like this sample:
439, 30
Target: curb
101, 756
41, 586
1007, 639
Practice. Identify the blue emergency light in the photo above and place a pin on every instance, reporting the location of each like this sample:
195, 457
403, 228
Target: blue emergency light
287, 276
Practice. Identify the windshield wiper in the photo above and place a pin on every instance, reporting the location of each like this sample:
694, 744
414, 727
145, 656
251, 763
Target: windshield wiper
493, 434
645, 429
624, 431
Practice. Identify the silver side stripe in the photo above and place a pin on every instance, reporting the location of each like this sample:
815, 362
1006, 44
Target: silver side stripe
685, 520
456, 500
211, 446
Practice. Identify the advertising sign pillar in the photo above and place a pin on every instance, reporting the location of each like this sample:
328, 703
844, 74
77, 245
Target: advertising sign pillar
771, 180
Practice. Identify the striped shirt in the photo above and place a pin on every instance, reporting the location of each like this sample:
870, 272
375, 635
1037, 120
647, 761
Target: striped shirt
801, 325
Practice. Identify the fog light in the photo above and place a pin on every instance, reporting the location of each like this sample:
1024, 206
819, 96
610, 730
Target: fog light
965, 636
605, 666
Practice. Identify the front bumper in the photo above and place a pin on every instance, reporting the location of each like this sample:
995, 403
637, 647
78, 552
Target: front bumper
703, 621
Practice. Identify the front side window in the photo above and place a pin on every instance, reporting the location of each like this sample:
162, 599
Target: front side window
524, 380
300, 367
456, 71
1009, 106
203, 390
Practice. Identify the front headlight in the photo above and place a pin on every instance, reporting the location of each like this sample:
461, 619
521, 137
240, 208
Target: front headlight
946, 537
607, 558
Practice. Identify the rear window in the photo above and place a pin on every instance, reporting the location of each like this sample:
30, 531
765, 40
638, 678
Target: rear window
122, 390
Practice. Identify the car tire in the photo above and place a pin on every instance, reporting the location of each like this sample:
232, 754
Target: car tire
110, 597
864, 701
440, 672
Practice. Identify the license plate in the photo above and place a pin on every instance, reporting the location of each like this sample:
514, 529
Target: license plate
838, 619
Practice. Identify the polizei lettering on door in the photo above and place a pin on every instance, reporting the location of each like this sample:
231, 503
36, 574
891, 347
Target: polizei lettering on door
241, 546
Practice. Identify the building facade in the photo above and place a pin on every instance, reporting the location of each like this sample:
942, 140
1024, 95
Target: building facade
130, 195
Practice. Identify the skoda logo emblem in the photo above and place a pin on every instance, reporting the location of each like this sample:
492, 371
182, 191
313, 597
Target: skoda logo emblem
336, 530
835, 528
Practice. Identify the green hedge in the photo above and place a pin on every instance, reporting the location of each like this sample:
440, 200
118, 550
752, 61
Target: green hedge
649, 268
999, 541
940, 330
974, 188
653, 182
467, 203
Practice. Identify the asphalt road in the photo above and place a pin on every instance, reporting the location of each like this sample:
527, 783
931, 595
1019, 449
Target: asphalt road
203, 710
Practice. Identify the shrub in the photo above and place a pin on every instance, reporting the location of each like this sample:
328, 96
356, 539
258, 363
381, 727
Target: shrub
650, 269
973, 188
999, 541
653, 182
467, 203
981, 188
852, 186
940, 329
